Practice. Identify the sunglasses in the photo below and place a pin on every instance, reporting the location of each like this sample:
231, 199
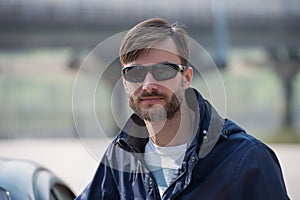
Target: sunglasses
160, 71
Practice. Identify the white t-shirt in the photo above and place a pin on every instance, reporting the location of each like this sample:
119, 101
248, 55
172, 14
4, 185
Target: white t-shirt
164, 162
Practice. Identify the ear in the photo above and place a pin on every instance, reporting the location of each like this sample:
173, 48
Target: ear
188, 77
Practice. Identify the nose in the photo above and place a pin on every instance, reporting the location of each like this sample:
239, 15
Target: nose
149, 83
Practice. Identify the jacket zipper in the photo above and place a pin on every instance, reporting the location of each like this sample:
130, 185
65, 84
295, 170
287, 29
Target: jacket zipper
177, 178
127, 147
185, 167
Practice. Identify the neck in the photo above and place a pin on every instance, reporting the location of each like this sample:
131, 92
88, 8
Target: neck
175, 131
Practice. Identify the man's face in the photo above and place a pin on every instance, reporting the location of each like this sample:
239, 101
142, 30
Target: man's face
154, 100
157, 105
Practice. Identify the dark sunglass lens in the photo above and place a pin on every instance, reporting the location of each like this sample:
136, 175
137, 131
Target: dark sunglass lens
163, 72
135, 74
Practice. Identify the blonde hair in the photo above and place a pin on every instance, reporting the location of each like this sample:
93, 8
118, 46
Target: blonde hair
148, 33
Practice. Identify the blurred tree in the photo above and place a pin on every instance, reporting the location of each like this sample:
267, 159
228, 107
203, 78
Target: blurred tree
286, 62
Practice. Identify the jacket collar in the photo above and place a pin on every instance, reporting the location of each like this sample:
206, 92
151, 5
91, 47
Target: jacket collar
207, 131
212, 132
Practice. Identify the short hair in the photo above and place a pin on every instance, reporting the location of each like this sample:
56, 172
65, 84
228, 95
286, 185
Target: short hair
150, 32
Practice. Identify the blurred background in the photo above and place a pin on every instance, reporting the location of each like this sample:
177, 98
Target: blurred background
255, 45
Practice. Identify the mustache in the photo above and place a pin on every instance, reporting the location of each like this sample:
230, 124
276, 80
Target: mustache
154, 93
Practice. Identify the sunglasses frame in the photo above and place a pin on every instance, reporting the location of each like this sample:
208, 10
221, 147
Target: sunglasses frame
176, 67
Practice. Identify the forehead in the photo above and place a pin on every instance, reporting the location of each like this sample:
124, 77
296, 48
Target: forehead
165, 51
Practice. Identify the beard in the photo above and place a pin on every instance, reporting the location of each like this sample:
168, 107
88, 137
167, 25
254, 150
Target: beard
157, 112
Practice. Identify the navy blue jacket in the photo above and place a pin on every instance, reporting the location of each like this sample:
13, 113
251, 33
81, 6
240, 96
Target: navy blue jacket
221, 162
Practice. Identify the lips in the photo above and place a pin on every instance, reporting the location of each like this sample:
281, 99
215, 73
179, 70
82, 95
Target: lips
150, 100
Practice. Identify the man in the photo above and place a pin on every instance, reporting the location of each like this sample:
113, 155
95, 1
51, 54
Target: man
175, 145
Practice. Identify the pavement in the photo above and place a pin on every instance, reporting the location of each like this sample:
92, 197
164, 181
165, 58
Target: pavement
75, 161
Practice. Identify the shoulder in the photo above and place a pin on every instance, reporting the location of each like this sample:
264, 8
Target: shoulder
243, 144
247, 146
253, 164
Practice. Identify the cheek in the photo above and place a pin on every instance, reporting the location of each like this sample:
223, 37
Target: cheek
132, 88
174, 84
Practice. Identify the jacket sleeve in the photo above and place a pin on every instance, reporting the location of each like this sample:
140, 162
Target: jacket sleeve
258, 175
102, 186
